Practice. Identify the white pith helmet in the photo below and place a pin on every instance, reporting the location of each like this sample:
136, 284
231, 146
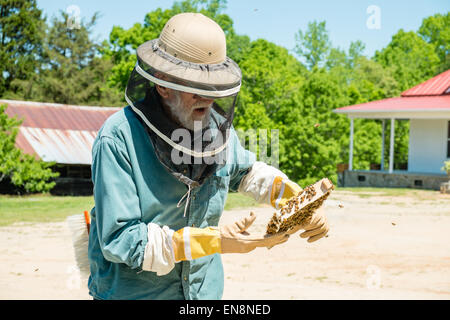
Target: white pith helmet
191, 53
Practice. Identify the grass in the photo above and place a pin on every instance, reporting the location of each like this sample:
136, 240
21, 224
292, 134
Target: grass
390, 192
47, 208
41, 208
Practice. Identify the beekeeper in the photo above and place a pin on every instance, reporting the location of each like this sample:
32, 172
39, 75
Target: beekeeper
162, 169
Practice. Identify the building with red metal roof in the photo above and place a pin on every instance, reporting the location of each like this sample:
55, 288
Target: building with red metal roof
60, 133
436, 86
427, 108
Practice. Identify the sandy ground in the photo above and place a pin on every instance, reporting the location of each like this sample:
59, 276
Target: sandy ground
378, 248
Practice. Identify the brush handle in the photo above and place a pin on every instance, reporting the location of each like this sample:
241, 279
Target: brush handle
87, 219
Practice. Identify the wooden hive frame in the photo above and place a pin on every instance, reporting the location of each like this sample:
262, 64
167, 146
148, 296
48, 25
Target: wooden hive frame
301, 207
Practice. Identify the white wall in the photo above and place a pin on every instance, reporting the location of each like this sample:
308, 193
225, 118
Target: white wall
427, 145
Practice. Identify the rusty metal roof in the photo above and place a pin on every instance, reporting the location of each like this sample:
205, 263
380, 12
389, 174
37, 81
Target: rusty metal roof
438, 85
57, 132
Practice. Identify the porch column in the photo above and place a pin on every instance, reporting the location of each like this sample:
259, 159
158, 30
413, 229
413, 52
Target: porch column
350, 160
382, 144
391, 148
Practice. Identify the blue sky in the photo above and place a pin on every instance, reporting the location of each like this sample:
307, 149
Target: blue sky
278, 21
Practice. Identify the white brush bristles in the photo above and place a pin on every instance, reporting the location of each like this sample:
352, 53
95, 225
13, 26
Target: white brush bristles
80, 240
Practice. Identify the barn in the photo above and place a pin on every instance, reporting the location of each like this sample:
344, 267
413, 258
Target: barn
427, 108
59, 133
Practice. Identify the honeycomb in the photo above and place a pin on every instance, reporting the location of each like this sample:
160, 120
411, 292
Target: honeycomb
300, 208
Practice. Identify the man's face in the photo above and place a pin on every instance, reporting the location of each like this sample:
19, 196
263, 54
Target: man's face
189, 110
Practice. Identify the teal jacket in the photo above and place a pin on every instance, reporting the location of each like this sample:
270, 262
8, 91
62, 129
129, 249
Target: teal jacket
132, 189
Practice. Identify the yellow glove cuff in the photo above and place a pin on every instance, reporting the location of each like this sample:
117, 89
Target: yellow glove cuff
282, 191
192, 243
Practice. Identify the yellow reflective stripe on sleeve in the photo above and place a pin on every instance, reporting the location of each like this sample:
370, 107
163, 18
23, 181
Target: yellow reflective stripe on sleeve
282, 191
192, 243
276, 190
280, 196
187, 243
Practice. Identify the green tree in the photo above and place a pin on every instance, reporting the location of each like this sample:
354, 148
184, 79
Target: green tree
22, 169
436, 30
270, 75
410, 59
22, 30
341, 64
313, 45
310, 134
372, 80
72, 71
271, 80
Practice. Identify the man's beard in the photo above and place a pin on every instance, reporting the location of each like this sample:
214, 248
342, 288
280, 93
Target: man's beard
186, 117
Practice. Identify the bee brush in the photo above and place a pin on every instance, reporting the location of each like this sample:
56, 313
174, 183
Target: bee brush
79, 226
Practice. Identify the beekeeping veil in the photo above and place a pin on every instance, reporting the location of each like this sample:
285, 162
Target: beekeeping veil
189, 56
